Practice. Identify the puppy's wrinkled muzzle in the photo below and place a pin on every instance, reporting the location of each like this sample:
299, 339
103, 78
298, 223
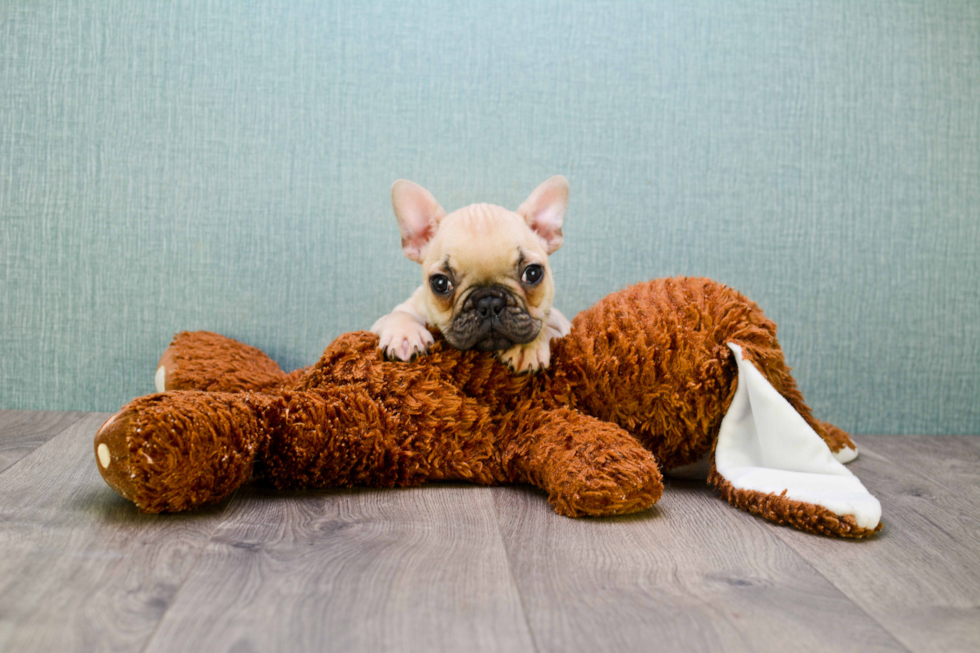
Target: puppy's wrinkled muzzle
492, 318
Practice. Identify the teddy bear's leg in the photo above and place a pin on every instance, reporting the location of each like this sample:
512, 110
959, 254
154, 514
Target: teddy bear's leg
770, 461
587, 466
177, 450
201, 360
350, 437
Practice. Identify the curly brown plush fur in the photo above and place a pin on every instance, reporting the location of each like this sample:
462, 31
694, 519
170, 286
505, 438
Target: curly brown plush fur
643, 377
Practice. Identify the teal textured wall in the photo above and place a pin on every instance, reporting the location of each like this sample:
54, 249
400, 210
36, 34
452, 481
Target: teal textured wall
225, 165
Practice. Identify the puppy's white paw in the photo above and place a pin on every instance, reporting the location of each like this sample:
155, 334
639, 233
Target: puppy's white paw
531, 357
558, 325
401, 337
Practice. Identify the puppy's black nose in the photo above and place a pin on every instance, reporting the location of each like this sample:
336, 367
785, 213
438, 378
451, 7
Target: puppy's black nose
489, 302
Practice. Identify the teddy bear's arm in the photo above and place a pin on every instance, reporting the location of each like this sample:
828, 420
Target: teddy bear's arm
587, 466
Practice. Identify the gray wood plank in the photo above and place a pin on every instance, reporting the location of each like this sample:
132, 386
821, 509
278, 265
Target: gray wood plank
693, 574
432, 569
950, 461
23, 431
352, 570
81, 569
920, 578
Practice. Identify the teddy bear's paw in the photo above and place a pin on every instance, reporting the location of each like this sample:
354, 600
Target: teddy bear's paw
112, 452
202, 360
403, 339
531, 357
636, 486
167, 365
176, 450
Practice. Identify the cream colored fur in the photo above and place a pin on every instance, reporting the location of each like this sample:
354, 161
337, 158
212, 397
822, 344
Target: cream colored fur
478, 245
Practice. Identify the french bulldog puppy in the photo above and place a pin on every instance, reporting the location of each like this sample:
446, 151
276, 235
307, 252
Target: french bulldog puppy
486, 284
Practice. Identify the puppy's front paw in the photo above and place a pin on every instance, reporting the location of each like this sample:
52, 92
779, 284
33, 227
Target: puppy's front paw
531, 357
401, 337
558, 325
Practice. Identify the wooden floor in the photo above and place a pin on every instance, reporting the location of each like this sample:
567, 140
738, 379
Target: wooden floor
463, 568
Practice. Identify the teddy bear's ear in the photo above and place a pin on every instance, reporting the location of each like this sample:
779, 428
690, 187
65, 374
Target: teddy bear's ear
418, 215
769, 461
544, 211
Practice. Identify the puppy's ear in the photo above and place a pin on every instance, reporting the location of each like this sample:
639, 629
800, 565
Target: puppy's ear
545, 209
418, 215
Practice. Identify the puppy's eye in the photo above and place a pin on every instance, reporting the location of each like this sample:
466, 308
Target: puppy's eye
440, 284
532, 274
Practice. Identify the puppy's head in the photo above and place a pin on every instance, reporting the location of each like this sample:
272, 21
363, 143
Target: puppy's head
486, 274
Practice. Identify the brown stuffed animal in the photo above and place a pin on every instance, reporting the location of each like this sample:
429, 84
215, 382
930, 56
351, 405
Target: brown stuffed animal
646, 376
